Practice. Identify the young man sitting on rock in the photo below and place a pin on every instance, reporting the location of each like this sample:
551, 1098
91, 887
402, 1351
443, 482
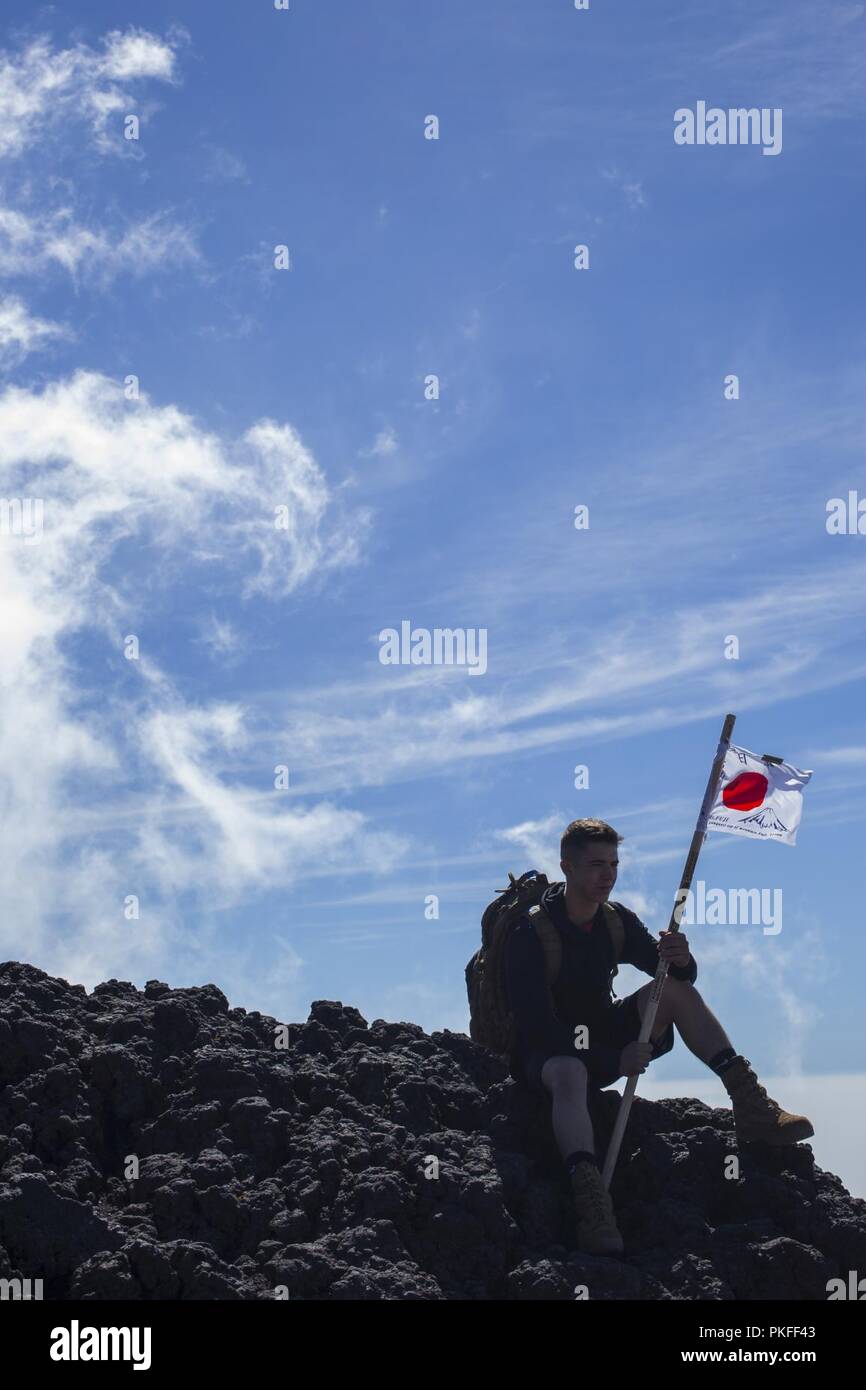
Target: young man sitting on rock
550, 1055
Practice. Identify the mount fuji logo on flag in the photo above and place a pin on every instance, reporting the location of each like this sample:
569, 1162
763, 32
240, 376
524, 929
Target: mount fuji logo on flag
759, 797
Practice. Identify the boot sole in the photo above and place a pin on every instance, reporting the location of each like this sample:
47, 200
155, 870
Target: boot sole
605, 1248
778, 1138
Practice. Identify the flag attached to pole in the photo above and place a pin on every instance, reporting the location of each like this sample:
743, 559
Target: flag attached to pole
758, 796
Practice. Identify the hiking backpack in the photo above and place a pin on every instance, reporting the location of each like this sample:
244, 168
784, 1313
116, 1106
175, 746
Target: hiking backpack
491, 1023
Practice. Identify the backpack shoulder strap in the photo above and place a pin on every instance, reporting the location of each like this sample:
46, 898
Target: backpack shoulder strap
614, 924
551, 943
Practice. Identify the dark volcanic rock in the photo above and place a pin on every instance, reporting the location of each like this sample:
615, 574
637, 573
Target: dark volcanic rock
157, 1144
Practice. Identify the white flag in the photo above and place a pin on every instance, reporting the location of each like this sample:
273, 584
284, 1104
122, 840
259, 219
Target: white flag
758, 798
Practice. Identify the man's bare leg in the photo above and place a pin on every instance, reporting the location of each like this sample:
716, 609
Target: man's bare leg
565, 1078
695, 1022
697, 1025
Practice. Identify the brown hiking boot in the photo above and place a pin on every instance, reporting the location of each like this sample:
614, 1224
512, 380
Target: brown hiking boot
597, 1232
756, 1116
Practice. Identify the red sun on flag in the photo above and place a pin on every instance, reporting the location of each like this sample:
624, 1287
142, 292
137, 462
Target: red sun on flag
745, 792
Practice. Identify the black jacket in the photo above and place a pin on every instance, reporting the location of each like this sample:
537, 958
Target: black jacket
583, 991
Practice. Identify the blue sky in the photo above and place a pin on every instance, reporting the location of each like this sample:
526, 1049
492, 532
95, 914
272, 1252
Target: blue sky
304, 387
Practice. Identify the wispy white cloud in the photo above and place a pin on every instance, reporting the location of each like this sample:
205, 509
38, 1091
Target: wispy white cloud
631, 189
108, 470
243, 845
220, 165
168, 463
220, 636
136, 53
383, 445
537, 841
22, 332
851, 756
810, 58
43, 89
29, 245
634, 678
45, 95
471, 325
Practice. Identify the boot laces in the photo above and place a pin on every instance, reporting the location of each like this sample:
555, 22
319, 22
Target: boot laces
598, 1198
756, 1094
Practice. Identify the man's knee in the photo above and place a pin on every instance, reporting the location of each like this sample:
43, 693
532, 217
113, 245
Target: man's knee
681, 999
680, 989
565, 1076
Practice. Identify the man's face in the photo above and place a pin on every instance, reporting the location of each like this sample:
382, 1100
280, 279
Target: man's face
592, 871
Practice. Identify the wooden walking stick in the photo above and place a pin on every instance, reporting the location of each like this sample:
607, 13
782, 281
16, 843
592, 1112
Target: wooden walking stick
674, 925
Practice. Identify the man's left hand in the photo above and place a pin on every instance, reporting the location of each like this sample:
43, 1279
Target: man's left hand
674, 948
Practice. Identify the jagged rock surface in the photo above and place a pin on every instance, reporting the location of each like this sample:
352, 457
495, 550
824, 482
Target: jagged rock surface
303, 1172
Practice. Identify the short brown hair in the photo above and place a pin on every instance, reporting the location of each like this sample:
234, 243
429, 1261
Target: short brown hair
586, 832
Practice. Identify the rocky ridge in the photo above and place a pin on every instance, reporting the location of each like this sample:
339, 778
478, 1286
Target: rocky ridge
158, 1144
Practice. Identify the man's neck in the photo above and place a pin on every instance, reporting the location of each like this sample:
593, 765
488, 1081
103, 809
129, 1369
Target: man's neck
578, 909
